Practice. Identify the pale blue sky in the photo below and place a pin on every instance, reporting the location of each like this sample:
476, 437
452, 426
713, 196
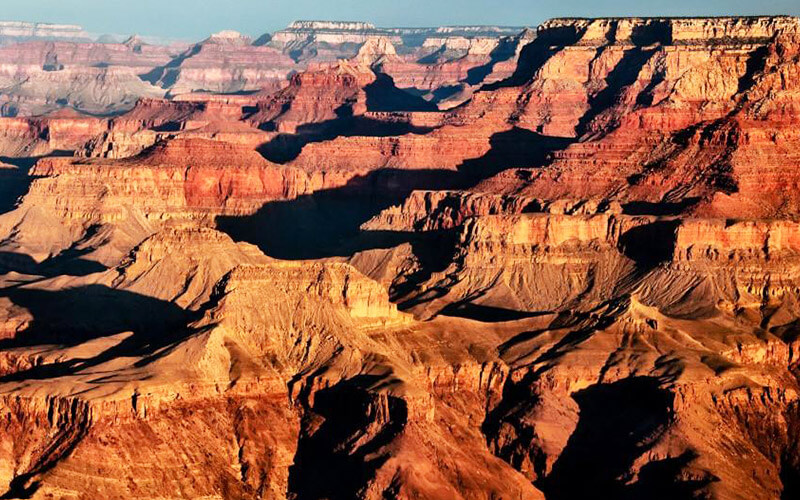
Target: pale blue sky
194, 19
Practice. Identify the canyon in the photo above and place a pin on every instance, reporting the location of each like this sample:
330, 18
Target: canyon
341, 261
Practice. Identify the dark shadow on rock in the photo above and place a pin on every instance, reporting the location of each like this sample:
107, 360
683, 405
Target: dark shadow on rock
659, 207
486, 314
14, 183
446, 92
337, 458
172, 126
69, 262
650, 244
517, 147
504, 51
790, 477
646, 97
790, 458
66, 265
510, 414
284, 148
73, 316
535, 54
262, 40
756, 62
166, 76
656, 32
327, 223
618, 423
383, 95
434, 251
624, 74
664, 480
582, 327
436, 57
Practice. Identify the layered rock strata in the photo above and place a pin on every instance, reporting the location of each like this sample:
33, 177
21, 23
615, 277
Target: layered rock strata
582, 281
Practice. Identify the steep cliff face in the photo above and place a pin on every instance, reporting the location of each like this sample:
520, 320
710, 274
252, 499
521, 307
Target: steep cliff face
542, 262
105, 207
39, 77
186, 162
670, 124
154, 121
326, 41
449, 70
224, 63
61, 132
321, 371
316, 97
606, 294
673, 31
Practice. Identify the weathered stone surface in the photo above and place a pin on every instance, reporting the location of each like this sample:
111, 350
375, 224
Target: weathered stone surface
582, 280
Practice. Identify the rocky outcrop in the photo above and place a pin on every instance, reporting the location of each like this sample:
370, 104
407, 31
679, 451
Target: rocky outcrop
539, 262
177, 171
60, 132
187, 278
40, 77
442, 210
673, 31
223, 63
336, 312
437, 210
316, 97
300, 35
115, 204
719, 239
449, 70
156, 120
321, 39
376, 50
14, 31
656, 131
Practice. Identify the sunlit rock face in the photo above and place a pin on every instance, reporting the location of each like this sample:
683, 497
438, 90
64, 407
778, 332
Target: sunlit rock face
345, 261
45, 67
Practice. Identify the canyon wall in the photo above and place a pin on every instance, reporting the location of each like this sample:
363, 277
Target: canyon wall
352, 262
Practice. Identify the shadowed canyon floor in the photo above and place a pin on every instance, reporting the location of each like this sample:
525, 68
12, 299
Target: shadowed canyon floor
345, 262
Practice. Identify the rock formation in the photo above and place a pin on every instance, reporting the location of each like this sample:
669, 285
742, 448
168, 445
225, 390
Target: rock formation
15, 31
47, 67
344, 261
